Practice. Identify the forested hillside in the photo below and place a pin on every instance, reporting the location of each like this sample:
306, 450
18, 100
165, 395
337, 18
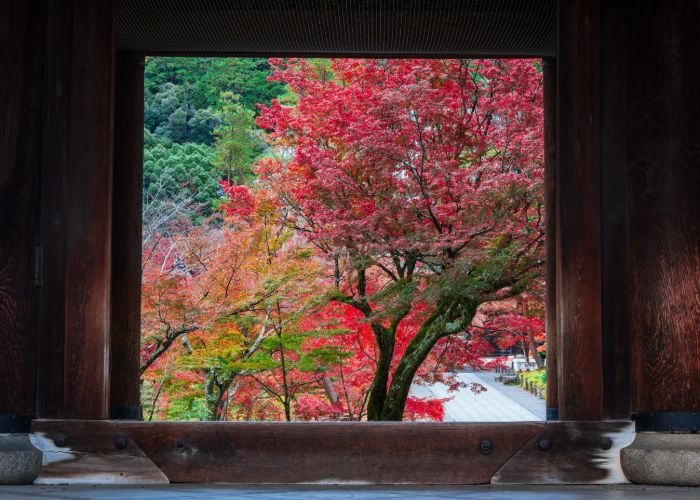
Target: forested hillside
319, 235
199, 116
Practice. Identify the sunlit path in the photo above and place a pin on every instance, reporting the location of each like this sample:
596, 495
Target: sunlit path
490, 405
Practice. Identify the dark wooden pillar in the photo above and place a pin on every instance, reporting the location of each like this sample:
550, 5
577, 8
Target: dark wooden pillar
22, 26
549, 71
76, 209
614, 271
663, 204
126, 237
579, 359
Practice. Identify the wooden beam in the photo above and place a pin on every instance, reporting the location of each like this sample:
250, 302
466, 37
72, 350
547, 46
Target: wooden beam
20, 162
663, 203
549, 70
570, 453
334, 452
330, 452
91, 452
125, 313
76, 209
579, 359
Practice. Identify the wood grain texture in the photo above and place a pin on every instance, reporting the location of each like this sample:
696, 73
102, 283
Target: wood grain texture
85, 436
125, 312
579, 357
53, 195
614, 280
305, 452
577, 453
76, 209
89, 455
20, 162
549, 71
663, 203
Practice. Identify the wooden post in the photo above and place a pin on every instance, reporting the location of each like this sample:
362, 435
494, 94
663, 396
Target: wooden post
125, 327
579, 359
614, 289
549, 72
20, 163
663, 206
76, 209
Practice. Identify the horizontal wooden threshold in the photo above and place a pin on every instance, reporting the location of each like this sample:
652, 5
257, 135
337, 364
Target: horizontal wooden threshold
353, 452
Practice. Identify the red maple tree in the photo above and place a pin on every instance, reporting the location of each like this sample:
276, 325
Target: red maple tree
401, 198
420, 182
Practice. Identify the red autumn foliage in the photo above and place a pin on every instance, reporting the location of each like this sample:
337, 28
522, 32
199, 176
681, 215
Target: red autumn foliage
405, 196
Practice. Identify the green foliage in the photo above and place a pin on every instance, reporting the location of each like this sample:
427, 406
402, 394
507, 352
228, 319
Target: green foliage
235, 146
183, 96
190, 406
533, 380
199, 127
246, 77
181, 171
201, 124
170, 116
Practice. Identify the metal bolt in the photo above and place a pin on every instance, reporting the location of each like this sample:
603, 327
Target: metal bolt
60, 440
120, 441
606, 443
544, 444
180, 443
486, 447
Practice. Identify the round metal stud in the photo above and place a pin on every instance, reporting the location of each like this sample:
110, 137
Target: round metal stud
120, 441
60, 440
544, 444
486, 447
606, 443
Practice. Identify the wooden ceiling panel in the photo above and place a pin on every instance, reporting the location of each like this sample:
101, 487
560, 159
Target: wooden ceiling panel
339, 27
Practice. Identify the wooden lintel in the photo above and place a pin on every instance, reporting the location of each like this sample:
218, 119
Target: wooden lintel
91, 452
337, 452
310, 452
570, 453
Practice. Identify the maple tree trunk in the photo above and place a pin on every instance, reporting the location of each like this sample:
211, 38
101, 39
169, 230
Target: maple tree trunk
526, 350
377, 395
214, 391
286, 399
432, 330
533, 349
416, 352
328, 388
212, 395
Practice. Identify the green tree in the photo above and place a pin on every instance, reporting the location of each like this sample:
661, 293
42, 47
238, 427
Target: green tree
206, 78
235, 141
246, 77
181, 171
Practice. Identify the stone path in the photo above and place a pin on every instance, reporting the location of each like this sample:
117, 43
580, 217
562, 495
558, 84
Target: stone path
523, 398
492, 405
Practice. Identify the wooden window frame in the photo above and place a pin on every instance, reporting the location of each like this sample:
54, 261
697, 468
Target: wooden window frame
86, 178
